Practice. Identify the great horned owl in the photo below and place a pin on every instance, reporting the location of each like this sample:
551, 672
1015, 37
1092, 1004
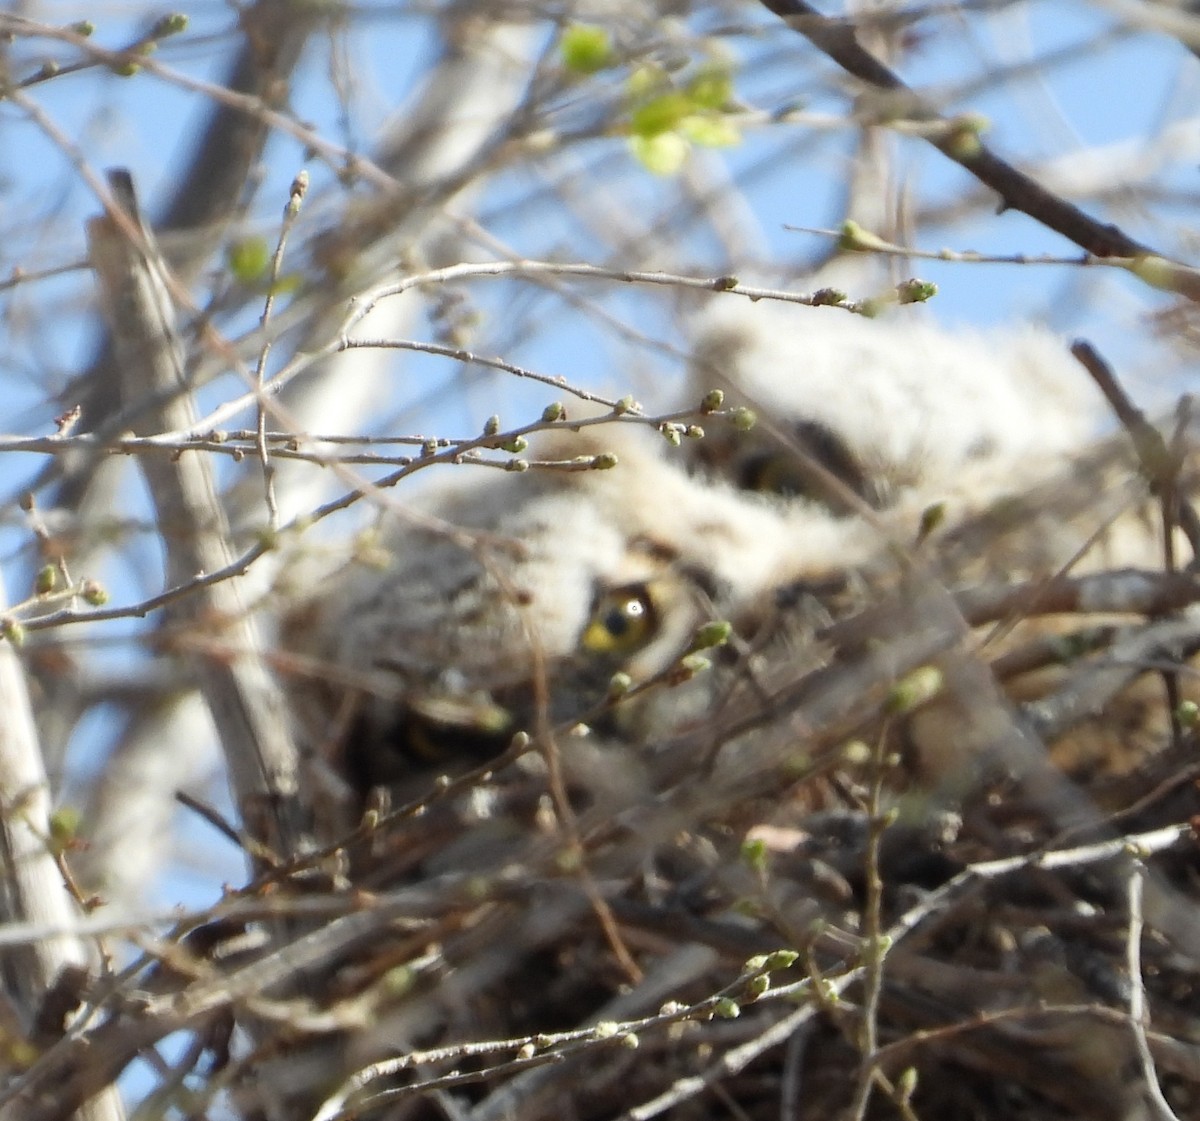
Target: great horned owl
447, 641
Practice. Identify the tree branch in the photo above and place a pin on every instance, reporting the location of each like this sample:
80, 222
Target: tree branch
246, 704
958, 140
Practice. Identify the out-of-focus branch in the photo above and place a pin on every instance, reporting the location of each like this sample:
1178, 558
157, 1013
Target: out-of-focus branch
246, 703
33, 886
209, 193
958, 140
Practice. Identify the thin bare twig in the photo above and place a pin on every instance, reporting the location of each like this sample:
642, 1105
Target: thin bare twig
1138, 1015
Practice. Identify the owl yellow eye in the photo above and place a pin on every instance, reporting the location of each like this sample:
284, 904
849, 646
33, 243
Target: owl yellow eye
623, 621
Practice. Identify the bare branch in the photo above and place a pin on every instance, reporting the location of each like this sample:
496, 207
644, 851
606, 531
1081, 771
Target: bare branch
246, 704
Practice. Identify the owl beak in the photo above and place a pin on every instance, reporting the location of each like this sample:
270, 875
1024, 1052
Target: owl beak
439, 726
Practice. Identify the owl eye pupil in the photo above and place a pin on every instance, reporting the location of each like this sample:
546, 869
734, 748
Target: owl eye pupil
622, 622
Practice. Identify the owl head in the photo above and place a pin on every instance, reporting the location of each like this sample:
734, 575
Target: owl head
539, 590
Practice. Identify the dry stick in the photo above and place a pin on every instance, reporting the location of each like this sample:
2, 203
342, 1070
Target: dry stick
958, 140
874, 949
246, 703
1138, 1016
1160, 465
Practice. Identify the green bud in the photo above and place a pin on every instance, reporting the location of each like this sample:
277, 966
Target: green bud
606, 1029
727, 1008
84, 27
13, 631
963, 141
712, 634
856, 753
754, 856
673, 433
743, 418
712, 401
64, 826
914, 688
626, 405
1187, 713
605, 461
757, 985
93, 593
568, 861
915, 291
695, 663
1156, 271
46, 580
780, 959
854, 239
694, 432
516, 445
491, 425
517, 465
619, 684
553, 412
170, 24
586, 48
296, 195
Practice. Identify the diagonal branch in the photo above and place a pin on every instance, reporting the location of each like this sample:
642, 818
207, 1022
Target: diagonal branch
246, 703
958, 140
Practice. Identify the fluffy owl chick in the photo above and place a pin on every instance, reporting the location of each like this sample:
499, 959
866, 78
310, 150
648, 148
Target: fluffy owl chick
445, 643
899, 409
1000, 429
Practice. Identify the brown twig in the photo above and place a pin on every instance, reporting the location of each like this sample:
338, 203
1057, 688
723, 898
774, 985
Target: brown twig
958, 140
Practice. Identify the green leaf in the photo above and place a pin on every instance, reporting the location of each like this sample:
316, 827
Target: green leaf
710, 131
645, 81
249, 259
660, 114
585, 48
712, 88
663, 154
